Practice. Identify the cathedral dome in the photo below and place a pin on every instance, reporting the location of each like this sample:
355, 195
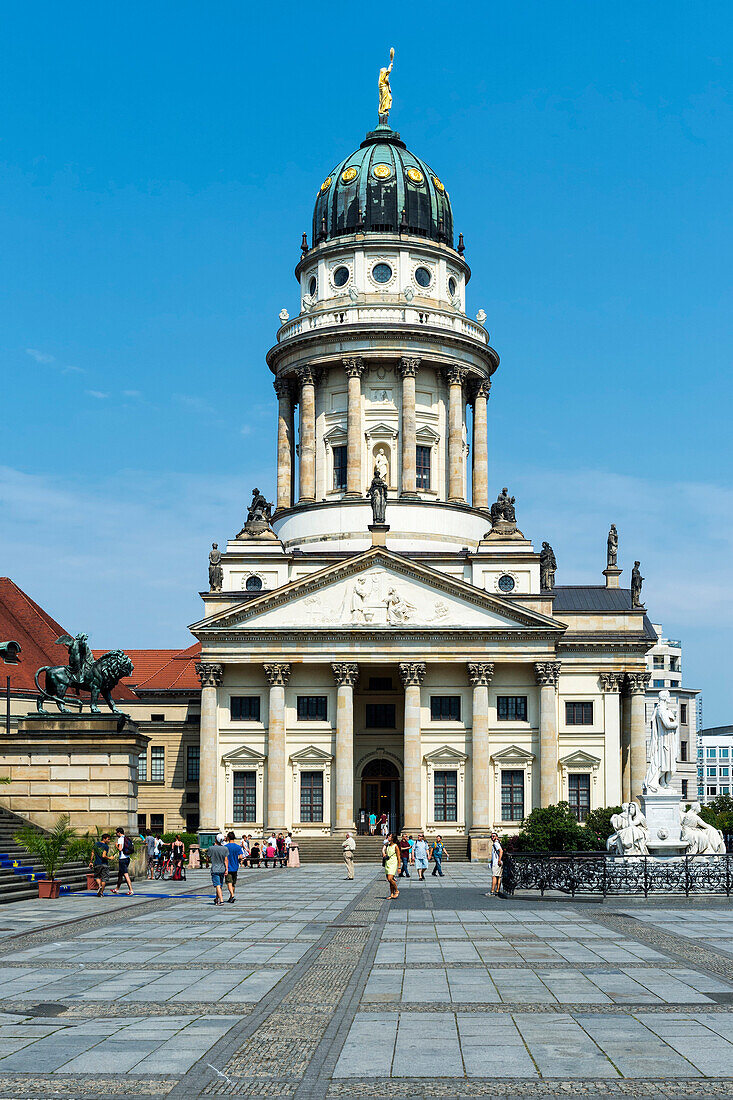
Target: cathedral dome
383, 187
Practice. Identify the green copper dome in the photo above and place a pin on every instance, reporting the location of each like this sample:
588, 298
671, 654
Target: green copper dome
383, 188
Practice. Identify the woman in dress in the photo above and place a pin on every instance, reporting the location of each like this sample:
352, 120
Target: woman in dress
391, 857
420, 857
293, 857
497, 857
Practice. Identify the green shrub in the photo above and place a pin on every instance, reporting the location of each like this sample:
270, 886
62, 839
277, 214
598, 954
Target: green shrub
553, 829
598, 826
187, 838
54, 849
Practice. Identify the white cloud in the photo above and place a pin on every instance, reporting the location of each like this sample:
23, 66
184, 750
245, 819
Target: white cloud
246, 429
96, 393
40, 356
131, 393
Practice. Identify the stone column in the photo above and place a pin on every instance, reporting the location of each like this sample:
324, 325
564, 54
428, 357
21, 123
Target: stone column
547, 674
284, 443
611, 684
210, 676
346, 676
480, 474
408, 369
413, 674
307, 435
637, 685
278, 676
354, 369
454, 377
480, 677
625, 742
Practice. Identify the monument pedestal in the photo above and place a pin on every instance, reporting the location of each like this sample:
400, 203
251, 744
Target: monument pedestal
379, 533
83, 765
662, 812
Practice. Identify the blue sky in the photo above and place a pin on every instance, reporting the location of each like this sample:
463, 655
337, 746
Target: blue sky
158, 166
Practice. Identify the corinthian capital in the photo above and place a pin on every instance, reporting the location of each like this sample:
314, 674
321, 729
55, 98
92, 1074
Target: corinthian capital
636, 683
482, 388
346, 675
277, 674
547, 673
354, 366
282, 387
412, 673
409, 367
209, 674
480, 674
455, 376
611, 681
306, 376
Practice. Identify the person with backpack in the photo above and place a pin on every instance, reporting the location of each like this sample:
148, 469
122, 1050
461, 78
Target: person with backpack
125, 848
100, 863
439, 853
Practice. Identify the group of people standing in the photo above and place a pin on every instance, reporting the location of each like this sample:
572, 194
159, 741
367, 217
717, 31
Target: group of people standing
402, 852
228, 855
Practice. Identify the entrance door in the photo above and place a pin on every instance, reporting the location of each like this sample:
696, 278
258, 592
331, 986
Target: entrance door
380, 791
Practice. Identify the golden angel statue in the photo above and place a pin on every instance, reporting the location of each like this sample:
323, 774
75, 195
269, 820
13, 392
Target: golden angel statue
385, 92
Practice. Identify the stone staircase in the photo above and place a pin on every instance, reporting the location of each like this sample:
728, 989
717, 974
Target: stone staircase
20, 872
327, 849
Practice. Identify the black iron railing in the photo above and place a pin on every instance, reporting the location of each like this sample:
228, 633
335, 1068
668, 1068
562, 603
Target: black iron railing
597, 873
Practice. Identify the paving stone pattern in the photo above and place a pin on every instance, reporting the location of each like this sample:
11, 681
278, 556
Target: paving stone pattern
312, 986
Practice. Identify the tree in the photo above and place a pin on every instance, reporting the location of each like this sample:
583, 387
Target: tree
554, 829
54, 849
598, 825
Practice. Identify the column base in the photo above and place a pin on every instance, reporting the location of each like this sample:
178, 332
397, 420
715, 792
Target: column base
456, 500
408, 494
306, 500
353, 494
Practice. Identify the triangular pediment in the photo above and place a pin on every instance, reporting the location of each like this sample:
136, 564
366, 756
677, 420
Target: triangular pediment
445, 755
311, 755
243, 756
580, 759
512, 755
378, 590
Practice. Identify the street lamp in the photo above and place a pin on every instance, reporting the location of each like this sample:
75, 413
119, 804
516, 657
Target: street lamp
10, 653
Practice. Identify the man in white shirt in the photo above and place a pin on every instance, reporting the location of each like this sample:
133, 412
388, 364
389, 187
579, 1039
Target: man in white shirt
348, 848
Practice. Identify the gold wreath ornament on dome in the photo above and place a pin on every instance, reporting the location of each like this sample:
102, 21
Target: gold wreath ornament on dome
438, 184
326, 183
382, 171
349, 174
415, 175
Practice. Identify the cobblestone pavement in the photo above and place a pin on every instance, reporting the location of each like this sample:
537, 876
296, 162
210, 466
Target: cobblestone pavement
311, 986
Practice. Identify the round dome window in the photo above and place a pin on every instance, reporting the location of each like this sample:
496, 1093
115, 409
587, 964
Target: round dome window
381, 273
452, 287
506, 583
423, 276
313, 286
254, 584
341, 276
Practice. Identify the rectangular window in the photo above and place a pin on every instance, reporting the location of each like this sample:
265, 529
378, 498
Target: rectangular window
683, 751
422, 458
725, 790
723, 754
193, 757
157, 718
142, 767
312, 708
339, 467
658, 683
683, 713
157, 764
157, 822
192, 823
512, 795
710, 753
579, 714
712, 792
712, 773
511, 708
724, 773
445, 787
244, 803
579, 794
658, 660
445, 708
311, 796
244, 708
684, 788
380, 716
142, 824
380, 683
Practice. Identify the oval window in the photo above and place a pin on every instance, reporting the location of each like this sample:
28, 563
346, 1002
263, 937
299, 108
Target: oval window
506, 583
452, 287
341, 276
313, 286
381, 273
423, 276
254, 584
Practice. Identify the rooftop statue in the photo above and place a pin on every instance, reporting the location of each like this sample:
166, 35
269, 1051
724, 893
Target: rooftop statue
260, 510
548, 565
216, 573
612, 548
83, 673
377, 493
385, 91
636, 582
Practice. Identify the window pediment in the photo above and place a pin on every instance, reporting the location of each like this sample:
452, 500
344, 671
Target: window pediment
243, 757
445, 755
513, 755
580, 760
311, 755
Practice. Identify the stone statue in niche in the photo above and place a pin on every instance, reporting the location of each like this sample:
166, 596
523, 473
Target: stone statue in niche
377, 493
548, 565
632, 832
636, 582
381, 464
701, 838
612, 548
662, 746
216, 573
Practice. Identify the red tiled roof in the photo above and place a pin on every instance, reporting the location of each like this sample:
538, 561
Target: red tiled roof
22, 620
146, 661
175, 674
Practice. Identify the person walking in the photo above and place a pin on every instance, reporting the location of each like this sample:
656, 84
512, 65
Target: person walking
497, 863
219, 867
391, 858
149, 854
349, 847
404, 857
235, 854
439, 853
420, 856
372, 824
100, 863
178, 854
125, 848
